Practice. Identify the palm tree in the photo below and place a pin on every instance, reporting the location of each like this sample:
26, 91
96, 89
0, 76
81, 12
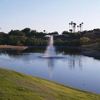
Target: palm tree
80, 25
74, 27
44, 31
71, 26
71, 30
78, 28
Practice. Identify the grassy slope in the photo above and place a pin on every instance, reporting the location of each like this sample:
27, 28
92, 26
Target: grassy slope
16, 86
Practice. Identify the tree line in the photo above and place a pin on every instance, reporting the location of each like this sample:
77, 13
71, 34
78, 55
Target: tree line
28, 37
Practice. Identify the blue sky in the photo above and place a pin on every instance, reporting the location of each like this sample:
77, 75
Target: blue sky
51, 15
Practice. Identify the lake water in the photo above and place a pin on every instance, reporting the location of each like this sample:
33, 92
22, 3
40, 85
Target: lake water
71, 70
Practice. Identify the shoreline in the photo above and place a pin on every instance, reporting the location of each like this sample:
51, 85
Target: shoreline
84, 50
37, 89
13, 47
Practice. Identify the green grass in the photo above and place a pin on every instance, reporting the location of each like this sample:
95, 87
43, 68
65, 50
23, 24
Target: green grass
16, 86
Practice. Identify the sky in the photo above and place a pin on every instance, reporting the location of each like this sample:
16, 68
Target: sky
49, 15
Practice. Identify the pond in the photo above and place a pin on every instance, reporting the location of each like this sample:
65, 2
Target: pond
72, 70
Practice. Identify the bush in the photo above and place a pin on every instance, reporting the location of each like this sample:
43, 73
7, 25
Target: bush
84, 40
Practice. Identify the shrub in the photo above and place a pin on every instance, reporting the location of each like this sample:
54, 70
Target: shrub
84, 40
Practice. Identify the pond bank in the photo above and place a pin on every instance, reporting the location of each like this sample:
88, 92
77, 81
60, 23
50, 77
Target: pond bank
11, 47
16, 86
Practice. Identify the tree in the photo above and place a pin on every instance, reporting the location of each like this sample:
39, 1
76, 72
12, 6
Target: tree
16, 33
65, 33
53, 33
80, 26
70, 26
33, 33
74, 27
26, 31
44, 31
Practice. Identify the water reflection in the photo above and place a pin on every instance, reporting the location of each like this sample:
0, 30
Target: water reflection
71, 61
50, 62
74, 61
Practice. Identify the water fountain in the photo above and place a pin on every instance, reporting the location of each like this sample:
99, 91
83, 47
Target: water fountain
50, 51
